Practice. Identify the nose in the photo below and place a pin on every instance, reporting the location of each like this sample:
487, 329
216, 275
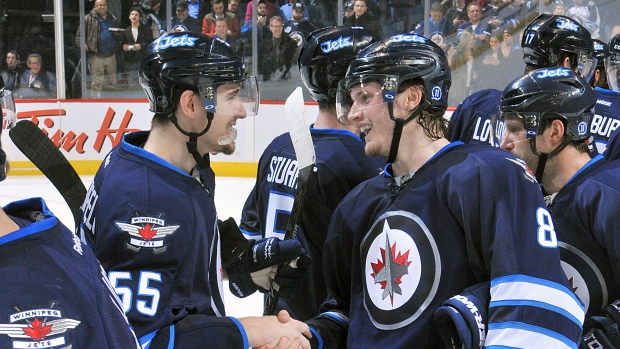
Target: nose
355, 114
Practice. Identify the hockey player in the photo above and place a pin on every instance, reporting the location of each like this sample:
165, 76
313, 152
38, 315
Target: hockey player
54, 291
340, 165
612, 64
150, 216
546, 114
548, 41
441, 217
607, 116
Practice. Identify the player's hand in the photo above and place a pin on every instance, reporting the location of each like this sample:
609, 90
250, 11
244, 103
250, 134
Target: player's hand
604, 332
257, 267
288, 278
276, 332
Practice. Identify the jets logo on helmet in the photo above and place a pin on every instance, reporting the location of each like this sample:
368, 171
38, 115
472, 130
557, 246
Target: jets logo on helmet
169, 41
408, 38
551, 73
332, 45
401, 268
563, 23
598, 46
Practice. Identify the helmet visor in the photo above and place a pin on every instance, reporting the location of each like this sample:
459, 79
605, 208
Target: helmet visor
237, 98
613, 76
586, 65
9, 117
358, 93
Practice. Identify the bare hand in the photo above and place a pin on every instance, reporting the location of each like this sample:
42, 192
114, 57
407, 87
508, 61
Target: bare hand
270, 330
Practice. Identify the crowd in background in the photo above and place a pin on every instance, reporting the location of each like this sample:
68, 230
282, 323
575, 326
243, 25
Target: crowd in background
481, 37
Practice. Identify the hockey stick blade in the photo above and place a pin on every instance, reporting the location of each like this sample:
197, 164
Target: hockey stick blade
46, 156
306, 158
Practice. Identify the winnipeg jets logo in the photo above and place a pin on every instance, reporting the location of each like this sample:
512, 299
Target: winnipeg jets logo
401, 268
33, 329
563, 23
147, 232
528, 172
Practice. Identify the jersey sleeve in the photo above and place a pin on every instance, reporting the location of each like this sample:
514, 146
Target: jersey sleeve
511, 238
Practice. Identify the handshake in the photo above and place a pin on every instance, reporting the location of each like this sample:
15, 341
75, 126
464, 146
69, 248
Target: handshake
603, 332
261, 264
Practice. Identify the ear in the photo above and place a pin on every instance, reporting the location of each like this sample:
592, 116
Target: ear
557, 129
187, 104
566, 63
413, 97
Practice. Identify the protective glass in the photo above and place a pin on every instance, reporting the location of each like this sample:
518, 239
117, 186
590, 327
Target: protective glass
586, 65
236, 98
358, 93
613, 77
518, 125
9, 117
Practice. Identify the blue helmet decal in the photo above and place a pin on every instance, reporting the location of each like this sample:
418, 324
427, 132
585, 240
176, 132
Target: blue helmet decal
333, 45
552, 72
408, 38
582, 128
566, 24
436, 93
173, 41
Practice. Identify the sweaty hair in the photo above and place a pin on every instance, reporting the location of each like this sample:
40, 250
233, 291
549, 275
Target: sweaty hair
431, 119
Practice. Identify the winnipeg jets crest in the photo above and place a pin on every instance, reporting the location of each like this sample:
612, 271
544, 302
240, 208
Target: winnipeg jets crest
37, 328
148, 232
401, 269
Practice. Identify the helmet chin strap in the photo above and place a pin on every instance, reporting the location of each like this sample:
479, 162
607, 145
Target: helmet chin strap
202, 161
543, 157
398, 128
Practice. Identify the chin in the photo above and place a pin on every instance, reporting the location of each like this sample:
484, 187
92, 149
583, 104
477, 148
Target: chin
228, 149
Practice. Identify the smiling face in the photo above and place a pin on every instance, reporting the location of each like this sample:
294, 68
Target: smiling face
359, 7
276, 28
229, 109
221, 29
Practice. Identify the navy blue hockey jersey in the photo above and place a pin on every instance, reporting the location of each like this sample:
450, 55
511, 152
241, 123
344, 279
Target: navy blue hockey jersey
471, 213
606, 118
153, 227
54, 292
341, 164
585, 214
476, 119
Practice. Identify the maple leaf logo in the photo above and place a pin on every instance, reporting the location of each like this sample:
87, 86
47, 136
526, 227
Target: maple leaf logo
37, 330
147, 232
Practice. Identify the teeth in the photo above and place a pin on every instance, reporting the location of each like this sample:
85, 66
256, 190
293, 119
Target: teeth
232, 135
365, 129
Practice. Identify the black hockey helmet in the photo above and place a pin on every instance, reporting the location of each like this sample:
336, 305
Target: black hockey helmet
600, 51
195, 62
324, 59
547, 36
551, 93
7, 108
612, 64
400, 58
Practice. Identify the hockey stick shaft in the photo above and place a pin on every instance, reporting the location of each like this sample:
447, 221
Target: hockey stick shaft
46, 156
306, 158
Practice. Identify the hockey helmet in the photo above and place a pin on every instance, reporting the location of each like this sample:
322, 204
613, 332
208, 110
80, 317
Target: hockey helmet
547, 36
324, 59
550, 93
600, 51
7, 105
398, 59
194, 62
612, 64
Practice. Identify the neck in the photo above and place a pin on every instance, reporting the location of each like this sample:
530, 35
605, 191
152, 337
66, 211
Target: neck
7, 225
326, 119
415, 149
563, 167
169, 144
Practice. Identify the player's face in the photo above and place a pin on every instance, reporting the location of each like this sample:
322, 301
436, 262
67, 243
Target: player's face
516, 142
370, 115
229, 110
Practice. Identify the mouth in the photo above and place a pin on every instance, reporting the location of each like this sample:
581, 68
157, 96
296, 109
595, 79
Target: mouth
365, 129
232, 135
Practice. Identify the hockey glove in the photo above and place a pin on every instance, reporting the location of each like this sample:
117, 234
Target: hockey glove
287, 279
257, 267
604, 332
462, 320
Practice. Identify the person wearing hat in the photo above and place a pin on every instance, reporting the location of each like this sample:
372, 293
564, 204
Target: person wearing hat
348, 11
182, 17
297, 22
287, 9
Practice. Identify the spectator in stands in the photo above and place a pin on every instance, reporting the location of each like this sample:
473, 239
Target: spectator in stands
492, 67
363, 18
222, 32
102, 32
480, 29
218, 11
586, 15
505, 14
261, 21
272, 10
559, 9
287, 9
461, 60
348, 11
136, 39
13, 71
36, 82
182, 18
298, 23
277, 51
457, 14
548, 5
194, 8
437, 24
233, 7
150, 18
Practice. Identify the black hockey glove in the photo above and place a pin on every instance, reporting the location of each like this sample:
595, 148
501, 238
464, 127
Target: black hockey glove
287, 279
462, 320
603, 332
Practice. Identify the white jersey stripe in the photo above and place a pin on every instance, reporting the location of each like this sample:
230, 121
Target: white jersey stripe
524, 288
520, 335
